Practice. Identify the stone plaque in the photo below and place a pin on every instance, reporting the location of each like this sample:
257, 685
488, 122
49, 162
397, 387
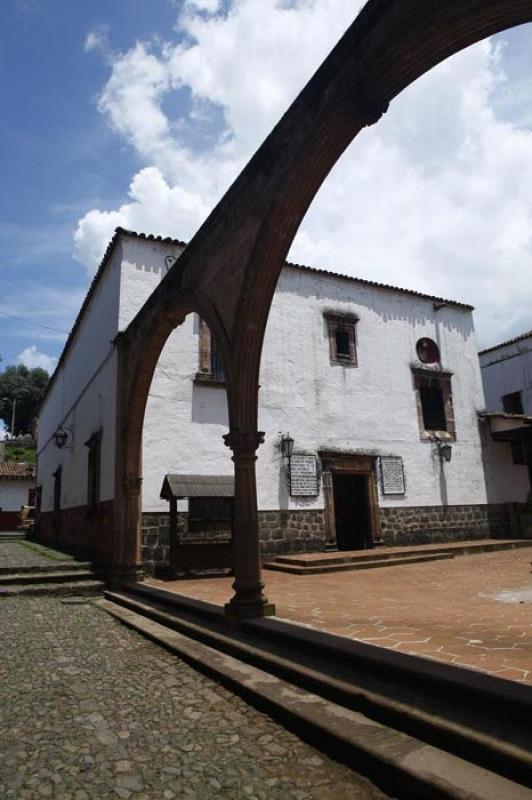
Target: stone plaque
303, 476
392, 475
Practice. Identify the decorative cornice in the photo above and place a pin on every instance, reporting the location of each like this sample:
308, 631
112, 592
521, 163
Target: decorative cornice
243, 442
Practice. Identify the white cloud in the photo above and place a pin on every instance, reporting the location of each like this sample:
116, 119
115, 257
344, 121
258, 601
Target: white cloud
31, 357
98, 39
436, 197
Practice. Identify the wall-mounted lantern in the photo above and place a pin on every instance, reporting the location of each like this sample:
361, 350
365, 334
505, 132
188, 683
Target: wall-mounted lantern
287, 446
445, 451
62, 436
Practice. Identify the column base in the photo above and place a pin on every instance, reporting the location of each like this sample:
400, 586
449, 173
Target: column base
236, 609
117, 578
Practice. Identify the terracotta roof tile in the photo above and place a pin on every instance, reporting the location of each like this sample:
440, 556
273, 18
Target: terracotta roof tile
12, 470
508, 341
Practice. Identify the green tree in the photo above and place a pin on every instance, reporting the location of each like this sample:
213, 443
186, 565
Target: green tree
27, 388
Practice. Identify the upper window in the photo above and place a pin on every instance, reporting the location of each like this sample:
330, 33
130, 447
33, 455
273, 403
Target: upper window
427, 351
342, 339
434, 403
211, 368
512, 403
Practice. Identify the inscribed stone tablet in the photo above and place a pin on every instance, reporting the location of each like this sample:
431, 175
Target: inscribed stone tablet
392, 475
303, 476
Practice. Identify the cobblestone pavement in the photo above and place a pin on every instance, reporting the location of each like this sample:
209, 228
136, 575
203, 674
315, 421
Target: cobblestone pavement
89, 710
28, 554
473, 611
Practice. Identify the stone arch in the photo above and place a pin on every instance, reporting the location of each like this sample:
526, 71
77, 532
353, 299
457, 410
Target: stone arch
235, 259
137, 359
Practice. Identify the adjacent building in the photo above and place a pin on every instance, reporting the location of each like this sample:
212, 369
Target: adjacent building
369, 399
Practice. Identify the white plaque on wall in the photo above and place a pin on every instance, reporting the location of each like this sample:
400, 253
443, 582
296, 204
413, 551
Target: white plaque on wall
303, 476
392, 475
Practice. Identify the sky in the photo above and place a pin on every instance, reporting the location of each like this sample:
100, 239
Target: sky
141, 113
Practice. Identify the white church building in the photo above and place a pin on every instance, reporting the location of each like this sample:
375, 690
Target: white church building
375, 390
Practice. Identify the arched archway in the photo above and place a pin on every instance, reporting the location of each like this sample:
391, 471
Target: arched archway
231, 267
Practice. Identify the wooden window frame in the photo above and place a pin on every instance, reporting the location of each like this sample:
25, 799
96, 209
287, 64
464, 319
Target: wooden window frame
441, 380
346, 323
205, 376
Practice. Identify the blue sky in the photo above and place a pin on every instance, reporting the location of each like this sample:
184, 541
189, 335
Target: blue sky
141, 112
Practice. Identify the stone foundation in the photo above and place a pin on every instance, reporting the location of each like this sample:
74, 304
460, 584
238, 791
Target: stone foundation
434, 524
298, 531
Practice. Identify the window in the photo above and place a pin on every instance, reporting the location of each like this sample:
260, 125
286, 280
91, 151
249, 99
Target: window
519, 455
93, 470
433, 408
427, 351
211, 368
512, 403
434, 403
57, 489
342, 339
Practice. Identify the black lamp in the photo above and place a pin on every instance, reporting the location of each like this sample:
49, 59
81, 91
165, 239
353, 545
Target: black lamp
287, 446
445, 451
60, 437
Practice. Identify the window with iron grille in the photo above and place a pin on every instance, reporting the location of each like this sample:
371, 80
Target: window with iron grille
341, 331
434, 403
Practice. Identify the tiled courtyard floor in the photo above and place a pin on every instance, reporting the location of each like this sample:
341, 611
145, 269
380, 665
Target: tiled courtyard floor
473, 611
92, 711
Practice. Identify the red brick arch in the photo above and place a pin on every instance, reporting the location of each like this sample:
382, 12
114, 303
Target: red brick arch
233, 262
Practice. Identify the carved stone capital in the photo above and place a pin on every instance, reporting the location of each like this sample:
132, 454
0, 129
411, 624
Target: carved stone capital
243, 442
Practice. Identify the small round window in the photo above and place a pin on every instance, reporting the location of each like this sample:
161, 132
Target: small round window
427, 351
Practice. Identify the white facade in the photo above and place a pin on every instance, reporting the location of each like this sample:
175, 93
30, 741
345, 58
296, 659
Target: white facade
368, 409
507, 369
506, 373
14, 494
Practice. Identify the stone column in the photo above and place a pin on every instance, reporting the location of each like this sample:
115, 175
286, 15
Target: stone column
249, 600
131, 561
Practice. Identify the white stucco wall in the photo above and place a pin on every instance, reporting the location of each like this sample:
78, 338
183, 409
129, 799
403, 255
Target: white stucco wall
83, 399
369, 409
505, 370
14, 494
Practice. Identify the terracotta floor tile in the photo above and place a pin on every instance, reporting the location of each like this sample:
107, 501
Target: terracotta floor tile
447, 610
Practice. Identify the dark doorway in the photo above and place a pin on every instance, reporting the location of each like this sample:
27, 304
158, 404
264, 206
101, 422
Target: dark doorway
352, 512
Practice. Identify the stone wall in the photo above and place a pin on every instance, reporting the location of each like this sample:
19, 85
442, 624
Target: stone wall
433, 524
291, 532
299, 531
280, 532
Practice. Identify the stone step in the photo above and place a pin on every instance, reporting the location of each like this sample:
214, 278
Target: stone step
53, 576
12, 537
53, 566
456, 548
384, 713
327, 567
81, 588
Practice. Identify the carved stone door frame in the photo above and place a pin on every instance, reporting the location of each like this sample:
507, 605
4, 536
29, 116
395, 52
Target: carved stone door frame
349, 464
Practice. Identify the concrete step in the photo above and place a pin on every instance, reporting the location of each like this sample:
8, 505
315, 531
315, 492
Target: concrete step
378, 554
52, 566
81, 588
400, 762
348, 566
12, 536
465, 712
51, 576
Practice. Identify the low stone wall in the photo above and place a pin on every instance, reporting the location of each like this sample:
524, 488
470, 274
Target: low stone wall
280, 532
433, 524
299, 531
291, 532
